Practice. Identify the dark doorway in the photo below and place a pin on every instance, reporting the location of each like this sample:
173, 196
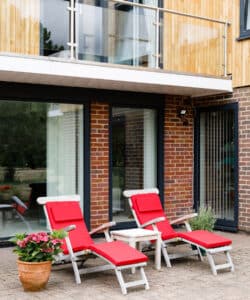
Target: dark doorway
216, 161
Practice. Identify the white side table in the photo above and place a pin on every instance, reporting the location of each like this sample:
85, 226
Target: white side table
137, 235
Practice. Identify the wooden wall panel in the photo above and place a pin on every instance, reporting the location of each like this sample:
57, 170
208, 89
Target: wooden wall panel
206, 57
193, 45
241, 51
20, 26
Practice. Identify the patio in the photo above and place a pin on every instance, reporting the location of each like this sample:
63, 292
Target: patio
188, 279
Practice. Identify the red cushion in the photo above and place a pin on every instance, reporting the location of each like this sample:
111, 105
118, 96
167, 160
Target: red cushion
205, 238
147, 202
142, 203
119, 253
63, 211
67, 212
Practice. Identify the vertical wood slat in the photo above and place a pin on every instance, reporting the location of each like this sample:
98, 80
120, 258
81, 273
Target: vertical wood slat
220, 159
19, 26
241, 50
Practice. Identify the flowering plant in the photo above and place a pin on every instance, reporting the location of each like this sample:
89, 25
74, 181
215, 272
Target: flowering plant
40, 246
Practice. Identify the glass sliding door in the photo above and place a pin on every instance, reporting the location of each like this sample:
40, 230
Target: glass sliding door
41, 154
218, 164
64, 163
134, 155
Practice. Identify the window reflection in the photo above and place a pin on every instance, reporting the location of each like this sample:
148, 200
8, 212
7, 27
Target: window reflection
134, 156
40, 154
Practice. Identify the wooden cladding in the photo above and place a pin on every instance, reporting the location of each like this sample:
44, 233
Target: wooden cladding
20, 26
241, 51
206, 56
193, 45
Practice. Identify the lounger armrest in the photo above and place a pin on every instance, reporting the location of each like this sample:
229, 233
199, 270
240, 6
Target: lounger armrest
102, 227
154, 221
183, 219
69, 228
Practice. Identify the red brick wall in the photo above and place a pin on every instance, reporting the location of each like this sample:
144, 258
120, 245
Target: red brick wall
178, 158
243, 96
178, 153
99, 164
134, 152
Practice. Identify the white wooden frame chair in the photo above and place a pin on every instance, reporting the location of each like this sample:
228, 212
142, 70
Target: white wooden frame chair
148, 213
64, 212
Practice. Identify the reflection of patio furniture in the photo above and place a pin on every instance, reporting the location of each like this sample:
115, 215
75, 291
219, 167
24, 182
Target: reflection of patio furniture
4, 193
65, 211
4, 187
4, 208
20, 208
30, 208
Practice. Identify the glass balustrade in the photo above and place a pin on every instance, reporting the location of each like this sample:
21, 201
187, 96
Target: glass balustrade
134, 33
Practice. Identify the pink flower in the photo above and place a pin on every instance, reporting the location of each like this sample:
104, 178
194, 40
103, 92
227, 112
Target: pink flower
37, 246
35, 239
43, 237
56, 241
21, 244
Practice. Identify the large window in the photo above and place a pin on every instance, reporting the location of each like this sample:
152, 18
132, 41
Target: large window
134, 158
245, 19
41, 153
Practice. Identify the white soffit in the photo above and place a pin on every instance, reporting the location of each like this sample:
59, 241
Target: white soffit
44, 70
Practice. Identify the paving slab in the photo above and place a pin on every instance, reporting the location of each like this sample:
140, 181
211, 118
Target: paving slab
189, 278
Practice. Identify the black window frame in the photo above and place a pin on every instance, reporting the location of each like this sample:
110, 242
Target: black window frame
138, 100
244, 33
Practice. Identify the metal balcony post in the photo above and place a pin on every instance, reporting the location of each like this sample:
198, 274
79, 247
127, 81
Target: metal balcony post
71, 43
225, 49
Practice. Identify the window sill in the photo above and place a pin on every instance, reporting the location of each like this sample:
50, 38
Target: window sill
244, 36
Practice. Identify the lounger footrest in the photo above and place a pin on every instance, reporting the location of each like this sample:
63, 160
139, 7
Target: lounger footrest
205, 239
119, 253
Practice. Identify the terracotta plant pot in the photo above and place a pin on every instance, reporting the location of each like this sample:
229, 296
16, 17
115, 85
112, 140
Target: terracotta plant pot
34, 275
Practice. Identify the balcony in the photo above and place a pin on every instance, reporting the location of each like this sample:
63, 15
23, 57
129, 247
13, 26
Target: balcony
113, 44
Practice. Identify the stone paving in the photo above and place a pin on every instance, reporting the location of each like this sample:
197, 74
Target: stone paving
189, 278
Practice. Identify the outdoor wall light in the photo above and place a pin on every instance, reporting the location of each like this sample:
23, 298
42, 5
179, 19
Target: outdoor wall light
181, 114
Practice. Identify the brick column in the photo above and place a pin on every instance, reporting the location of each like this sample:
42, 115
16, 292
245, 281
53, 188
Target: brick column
178, 158
99, 164
242, 95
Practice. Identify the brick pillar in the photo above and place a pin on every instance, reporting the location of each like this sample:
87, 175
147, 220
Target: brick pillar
242, 95
178, 158
99, 164
134, 152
